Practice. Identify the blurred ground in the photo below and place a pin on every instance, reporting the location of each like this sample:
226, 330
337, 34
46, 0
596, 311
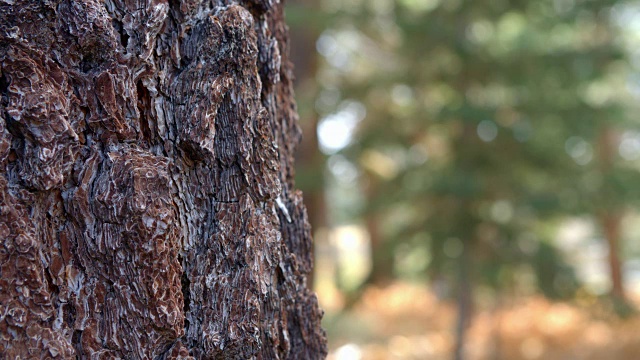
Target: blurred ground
406, 321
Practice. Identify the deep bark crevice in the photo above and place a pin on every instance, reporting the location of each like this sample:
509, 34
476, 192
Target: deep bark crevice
143, 105
76, 341
4, 87
123, 35
186, 285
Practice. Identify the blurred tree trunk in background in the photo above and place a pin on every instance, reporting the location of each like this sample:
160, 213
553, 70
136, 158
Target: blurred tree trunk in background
465, 303
610, 215
311, 160
147, 201
310, 163
381, 255
611, 228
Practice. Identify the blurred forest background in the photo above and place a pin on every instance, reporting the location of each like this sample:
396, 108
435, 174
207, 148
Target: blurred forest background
472, 175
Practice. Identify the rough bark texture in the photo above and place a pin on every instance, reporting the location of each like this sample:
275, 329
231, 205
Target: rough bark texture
147, 207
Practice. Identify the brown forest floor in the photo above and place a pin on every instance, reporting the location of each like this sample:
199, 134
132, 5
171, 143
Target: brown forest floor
404, 321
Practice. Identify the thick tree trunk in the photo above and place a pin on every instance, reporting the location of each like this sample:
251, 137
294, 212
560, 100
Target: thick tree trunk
147, 204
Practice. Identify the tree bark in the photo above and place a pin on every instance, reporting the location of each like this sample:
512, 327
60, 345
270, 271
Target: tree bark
610, 216
147, 203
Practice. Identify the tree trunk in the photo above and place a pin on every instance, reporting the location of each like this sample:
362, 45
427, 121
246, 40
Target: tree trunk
611, 226
465, 303
610, 216
147, 204
309, 161
381, 255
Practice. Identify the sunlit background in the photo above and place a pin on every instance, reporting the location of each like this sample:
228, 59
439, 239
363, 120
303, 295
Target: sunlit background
472, 175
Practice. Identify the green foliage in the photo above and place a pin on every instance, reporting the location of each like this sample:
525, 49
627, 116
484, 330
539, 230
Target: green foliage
484, 121
555, 278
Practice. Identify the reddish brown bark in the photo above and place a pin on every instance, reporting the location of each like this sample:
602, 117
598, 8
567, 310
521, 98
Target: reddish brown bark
147, 203
611, 225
